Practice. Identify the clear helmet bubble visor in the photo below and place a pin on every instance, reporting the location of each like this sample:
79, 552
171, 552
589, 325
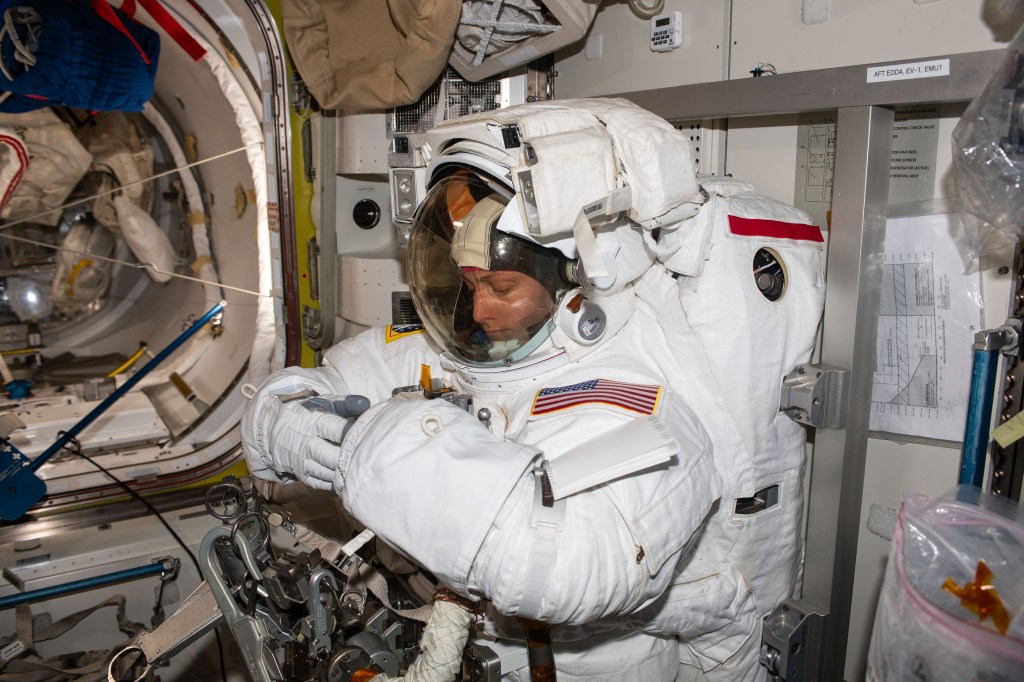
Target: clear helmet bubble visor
485, 295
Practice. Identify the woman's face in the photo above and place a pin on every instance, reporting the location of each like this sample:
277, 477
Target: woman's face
507, 304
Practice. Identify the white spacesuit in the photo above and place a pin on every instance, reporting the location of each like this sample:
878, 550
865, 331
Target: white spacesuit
582, 496
740, 296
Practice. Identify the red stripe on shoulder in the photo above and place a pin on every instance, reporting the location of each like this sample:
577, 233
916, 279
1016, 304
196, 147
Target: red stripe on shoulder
777, 229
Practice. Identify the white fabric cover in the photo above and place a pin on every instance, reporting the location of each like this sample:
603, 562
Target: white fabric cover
653, 158
56, 162
117, 147
150, 245
573, 169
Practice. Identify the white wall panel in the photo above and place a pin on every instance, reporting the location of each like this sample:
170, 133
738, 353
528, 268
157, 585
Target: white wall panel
627, 62
857, 32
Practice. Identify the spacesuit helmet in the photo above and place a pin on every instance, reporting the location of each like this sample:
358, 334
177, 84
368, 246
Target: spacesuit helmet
483, 292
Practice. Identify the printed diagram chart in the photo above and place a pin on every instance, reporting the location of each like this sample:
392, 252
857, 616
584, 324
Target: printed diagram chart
906, 363
815, 165
819, 162
928, 312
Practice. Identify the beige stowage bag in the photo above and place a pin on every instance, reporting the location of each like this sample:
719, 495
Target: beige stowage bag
369, 54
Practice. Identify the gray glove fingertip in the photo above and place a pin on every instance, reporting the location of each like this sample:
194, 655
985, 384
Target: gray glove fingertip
354, 405
318, 404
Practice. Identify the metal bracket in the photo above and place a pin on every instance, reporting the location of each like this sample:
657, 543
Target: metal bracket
816, 395
313, 265
9, 423
793, 641
1005, 339
487, 660
171, 566
312, 326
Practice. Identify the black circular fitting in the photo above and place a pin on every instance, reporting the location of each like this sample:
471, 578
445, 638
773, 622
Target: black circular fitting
366, 213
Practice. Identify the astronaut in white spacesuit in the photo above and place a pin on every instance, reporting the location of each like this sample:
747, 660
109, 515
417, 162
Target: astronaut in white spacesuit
581, 496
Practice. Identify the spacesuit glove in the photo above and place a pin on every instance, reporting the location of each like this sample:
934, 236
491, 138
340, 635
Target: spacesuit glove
301, 439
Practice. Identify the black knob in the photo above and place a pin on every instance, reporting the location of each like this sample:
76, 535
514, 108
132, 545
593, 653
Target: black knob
366, 213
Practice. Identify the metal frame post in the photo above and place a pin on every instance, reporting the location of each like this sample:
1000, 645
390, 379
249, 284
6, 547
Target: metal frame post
860, 197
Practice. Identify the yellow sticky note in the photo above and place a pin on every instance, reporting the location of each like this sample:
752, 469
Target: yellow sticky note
1010, 431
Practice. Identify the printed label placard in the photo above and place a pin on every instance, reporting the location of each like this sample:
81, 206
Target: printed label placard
899, 72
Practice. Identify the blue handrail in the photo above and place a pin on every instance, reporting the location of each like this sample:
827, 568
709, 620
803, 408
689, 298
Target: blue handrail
67, 436
84, 584
979, 418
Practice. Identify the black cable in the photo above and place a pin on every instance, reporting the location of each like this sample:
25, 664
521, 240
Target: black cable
76, 448
158, 607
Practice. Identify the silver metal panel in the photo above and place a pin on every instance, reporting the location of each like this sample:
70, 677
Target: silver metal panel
819, 90
859, 200
327, 233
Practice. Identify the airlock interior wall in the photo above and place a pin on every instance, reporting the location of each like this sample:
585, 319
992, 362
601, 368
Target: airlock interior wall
54, 550
235, 202
137, 309
189, 97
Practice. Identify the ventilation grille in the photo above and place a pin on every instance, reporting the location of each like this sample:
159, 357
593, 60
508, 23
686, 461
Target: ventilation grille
402, 310
418, 117
466, 98
459, 97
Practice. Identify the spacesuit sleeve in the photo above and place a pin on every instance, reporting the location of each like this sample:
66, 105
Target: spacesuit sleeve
436, 484
380, 360
329, 379
619, 544
370, 364
429, 479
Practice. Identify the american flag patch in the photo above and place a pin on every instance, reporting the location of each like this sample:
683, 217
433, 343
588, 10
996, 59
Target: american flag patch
640, 398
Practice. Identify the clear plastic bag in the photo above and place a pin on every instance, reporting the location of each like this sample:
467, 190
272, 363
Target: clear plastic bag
81, 278
988, 158
923, 630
